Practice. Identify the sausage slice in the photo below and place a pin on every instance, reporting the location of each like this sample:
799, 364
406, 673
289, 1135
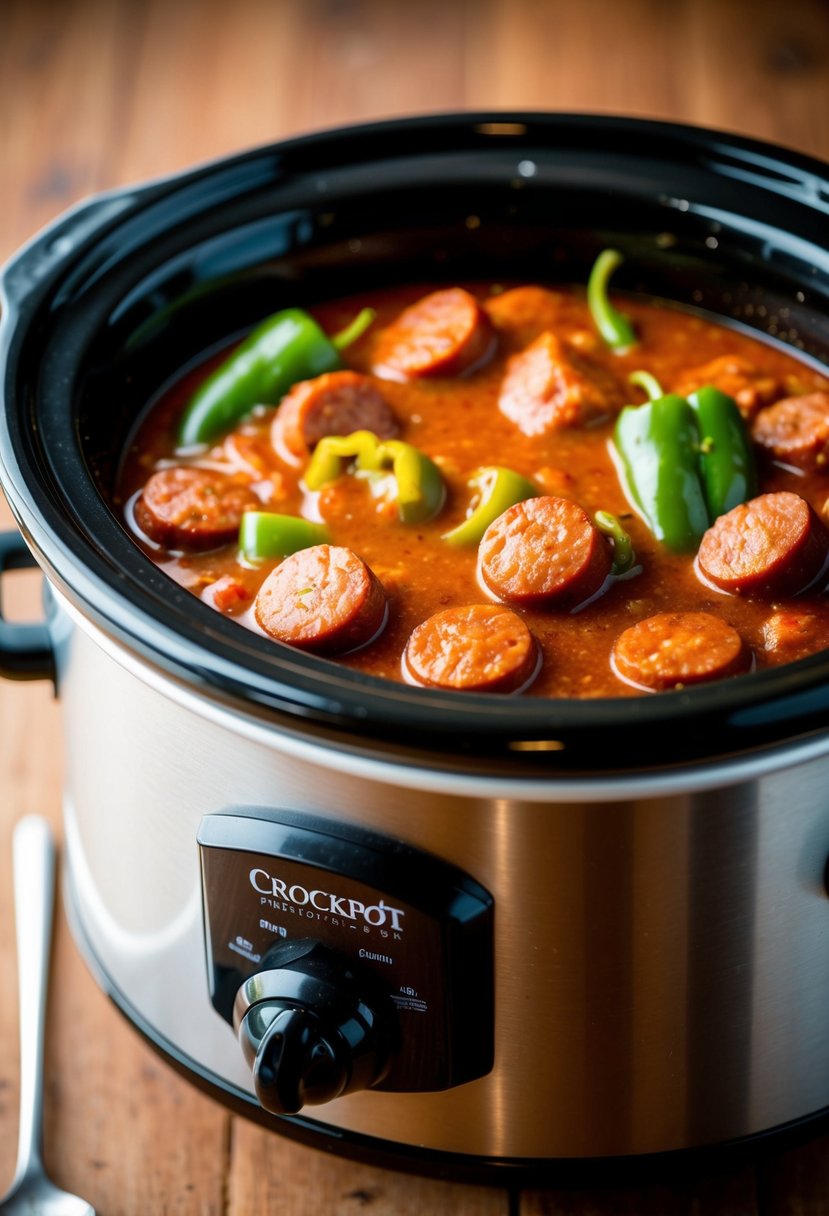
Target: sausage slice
324, 599
544, 552
444, 334
750, 386
673, 649
550, 385
335, 403
192, 508
522, 313
477, 648
796, 430
774, 545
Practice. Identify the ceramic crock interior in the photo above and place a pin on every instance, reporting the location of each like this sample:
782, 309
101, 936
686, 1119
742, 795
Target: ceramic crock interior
151, 280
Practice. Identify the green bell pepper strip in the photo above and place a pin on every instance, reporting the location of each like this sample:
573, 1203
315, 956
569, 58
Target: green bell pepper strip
624, 557
726, 457
288, 347
648, 384
498, 488
419, 491
613, 325
657, 444
264, 534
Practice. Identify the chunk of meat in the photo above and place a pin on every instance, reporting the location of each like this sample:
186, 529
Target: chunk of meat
544, 552
192, 508
774, 545
550, 385
227, 595
795, 430
673, 649
477, 648
444, 334
790, 634
335, 403
750, 386
324, 599
522, 313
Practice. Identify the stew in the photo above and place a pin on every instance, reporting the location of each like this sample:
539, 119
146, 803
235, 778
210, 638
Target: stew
499, 488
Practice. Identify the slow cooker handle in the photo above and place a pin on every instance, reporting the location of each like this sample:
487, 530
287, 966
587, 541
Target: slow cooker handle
25, 648
53, 248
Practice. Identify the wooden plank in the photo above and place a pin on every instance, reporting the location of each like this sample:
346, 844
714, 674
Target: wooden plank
730, 1194
124, 1130
300, 1181
796, 1183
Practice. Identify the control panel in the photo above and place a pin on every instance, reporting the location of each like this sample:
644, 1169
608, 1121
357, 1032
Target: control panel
344, 959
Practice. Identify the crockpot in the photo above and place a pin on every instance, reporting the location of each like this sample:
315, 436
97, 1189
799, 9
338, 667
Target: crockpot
456, 931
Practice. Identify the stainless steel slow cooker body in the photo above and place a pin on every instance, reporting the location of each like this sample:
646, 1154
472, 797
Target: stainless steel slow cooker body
655, 865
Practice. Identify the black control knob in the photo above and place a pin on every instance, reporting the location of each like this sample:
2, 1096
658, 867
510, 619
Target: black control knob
313, 1026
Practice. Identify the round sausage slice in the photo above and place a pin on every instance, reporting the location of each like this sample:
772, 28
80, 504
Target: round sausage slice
477, 648
796, 430
673, 649
550, 385
544, 552
324, 599
773, 545
191, 508
444, 334
335, 403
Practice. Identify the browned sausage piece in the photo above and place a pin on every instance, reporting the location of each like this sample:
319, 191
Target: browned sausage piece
324, 599
796, 430
192, 508
677, 648
444, 334
550, 385
544, 552
335, 403
477, 648
522, 313
750, 386
773, 545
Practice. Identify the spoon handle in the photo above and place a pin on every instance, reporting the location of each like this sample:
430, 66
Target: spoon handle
33, 853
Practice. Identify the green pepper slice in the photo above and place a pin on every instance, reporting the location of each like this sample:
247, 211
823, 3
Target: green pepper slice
264, 534
419, 488
287, 347
613, 325
726, 457
498, 488
333, 452
648, 384
657, 444
624, 557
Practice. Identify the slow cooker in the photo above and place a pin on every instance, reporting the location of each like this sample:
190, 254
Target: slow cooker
456, 931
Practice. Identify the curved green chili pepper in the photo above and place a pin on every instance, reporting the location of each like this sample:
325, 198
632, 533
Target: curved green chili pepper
419, 486
624, 557
613, 325
288, 347
648, 384
499, 488
264, 534
726, 458
658, 445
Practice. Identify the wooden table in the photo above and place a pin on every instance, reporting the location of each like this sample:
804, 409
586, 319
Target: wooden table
96, 93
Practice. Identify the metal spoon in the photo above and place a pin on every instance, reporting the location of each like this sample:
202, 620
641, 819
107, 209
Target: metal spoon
33, 851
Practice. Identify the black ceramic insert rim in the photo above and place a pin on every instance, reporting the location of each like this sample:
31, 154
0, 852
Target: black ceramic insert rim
87, 299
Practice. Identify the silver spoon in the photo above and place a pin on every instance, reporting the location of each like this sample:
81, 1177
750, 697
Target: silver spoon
33, 852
